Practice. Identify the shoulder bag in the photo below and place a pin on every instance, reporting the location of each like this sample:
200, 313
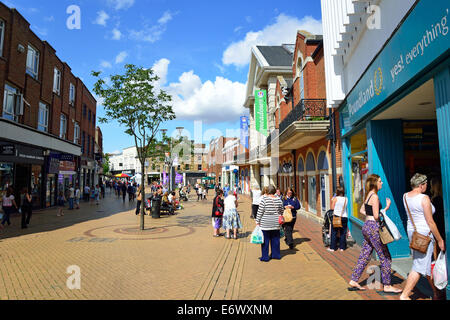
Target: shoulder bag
385, 234
287, 215
337, 220
419, 242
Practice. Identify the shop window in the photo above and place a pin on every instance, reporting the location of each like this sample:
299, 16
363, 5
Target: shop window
6, 176
359, 171
322, 162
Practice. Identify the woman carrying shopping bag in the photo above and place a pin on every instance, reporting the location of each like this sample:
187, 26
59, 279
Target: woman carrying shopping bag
290, 202
420, 225
371, 208
269, 211
339, 207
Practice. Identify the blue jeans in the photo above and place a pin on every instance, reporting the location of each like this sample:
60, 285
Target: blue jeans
272, 238
7, 212
342, 237
70, 203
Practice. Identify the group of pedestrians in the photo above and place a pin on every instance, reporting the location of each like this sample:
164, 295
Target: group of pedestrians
420, 210
225, 214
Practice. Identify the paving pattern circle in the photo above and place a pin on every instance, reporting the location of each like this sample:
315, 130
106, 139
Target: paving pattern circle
131, 232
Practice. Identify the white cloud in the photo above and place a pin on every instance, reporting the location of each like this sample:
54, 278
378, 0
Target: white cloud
283, 31
161, 68
117, 35
105, 64
121, 57
121, 4
102, 17
153, 33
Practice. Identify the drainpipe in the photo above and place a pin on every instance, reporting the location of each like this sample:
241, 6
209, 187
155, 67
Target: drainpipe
333, 150
294, 163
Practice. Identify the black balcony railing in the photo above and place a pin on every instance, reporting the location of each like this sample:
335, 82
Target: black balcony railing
306, 110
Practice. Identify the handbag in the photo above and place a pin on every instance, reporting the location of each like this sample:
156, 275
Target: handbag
219, 210
287, 215
280, 220
385, 234
419, 242
337, 220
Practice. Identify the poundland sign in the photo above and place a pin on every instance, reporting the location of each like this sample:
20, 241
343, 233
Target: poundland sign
421, 39
261, 111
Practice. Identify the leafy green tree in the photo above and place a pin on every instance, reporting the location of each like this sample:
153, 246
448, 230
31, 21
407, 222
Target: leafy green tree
131, 100
106, 165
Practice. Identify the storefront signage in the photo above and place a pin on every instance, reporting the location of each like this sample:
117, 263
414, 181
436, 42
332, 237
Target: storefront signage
421, 39
53, 163
8, 150
261, 111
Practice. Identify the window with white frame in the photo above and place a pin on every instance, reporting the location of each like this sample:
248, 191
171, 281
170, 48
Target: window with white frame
76, 133
2, 36
56, 81
9, 102
43, 117
63, 127
72, 94
33, 62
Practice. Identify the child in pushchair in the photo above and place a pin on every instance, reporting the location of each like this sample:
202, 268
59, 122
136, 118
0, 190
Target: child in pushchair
326, 228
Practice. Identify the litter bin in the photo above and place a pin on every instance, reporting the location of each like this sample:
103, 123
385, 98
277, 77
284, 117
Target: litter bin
156, 207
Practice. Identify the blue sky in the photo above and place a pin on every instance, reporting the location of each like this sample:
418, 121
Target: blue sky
200, 49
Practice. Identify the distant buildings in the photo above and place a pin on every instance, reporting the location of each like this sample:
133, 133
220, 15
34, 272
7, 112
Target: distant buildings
47, 117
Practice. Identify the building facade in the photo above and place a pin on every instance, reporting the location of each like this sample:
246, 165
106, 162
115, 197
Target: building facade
387, 70
46, 138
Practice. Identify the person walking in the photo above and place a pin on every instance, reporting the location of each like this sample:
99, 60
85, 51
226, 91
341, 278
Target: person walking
199, 193
26, 207
71, 196
217, 212
256, 198
61, 203
231, 219
139, 201
204, 192
420, 212
8, 201
77, 196
372, 208
124, 191
290, 202
269, 211
339, 207
87, 192
97, 194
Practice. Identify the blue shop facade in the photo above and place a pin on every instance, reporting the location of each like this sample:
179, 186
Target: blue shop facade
396, 120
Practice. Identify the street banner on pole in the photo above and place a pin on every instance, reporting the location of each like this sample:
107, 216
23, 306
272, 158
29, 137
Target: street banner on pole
244, 131
261, 111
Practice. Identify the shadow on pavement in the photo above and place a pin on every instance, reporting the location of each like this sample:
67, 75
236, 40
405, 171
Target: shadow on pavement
46, 220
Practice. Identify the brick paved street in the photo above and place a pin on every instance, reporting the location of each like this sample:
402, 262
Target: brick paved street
175, 258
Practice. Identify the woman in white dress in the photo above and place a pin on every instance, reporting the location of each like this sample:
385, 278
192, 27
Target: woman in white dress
418, 207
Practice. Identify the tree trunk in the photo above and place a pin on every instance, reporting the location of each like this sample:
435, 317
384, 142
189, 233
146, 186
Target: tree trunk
143, 197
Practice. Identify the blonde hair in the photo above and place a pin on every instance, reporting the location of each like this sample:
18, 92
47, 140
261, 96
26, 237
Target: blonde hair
265, 190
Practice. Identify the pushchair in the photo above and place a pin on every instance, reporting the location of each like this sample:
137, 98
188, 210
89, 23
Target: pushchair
326, 231
183, 196
326, 228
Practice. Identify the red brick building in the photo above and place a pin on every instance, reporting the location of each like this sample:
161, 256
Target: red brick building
47, 116
303, 124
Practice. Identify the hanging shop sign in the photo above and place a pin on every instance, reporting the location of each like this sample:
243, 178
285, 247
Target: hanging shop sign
420, 40
244, 131
261, 111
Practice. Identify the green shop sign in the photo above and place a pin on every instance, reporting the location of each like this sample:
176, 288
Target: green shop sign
261, 111
421, 39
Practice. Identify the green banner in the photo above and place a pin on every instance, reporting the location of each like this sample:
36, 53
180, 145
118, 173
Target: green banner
261, 111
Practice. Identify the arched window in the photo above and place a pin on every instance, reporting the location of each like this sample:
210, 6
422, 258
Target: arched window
322, 163
310, 163
300, 166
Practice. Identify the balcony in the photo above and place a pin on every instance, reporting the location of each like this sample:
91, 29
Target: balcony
309, 121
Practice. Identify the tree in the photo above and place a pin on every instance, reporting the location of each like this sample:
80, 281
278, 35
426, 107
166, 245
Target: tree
106, 163
131, 100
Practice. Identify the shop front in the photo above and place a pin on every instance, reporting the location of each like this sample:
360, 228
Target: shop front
61, 173
395, 121
21, 167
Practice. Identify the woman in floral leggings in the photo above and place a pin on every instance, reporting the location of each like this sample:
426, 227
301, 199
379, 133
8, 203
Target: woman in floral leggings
372, 241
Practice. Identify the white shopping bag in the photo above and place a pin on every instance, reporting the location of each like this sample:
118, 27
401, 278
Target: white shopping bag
257, 236
392, 228
440, 272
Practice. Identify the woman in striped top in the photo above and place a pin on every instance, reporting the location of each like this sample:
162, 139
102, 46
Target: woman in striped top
270, 208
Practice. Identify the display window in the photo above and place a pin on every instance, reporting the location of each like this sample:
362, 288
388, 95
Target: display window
359, 171
6, 177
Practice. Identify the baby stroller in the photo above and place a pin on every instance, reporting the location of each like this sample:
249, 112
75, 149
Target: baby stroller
326, 228
183, 196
